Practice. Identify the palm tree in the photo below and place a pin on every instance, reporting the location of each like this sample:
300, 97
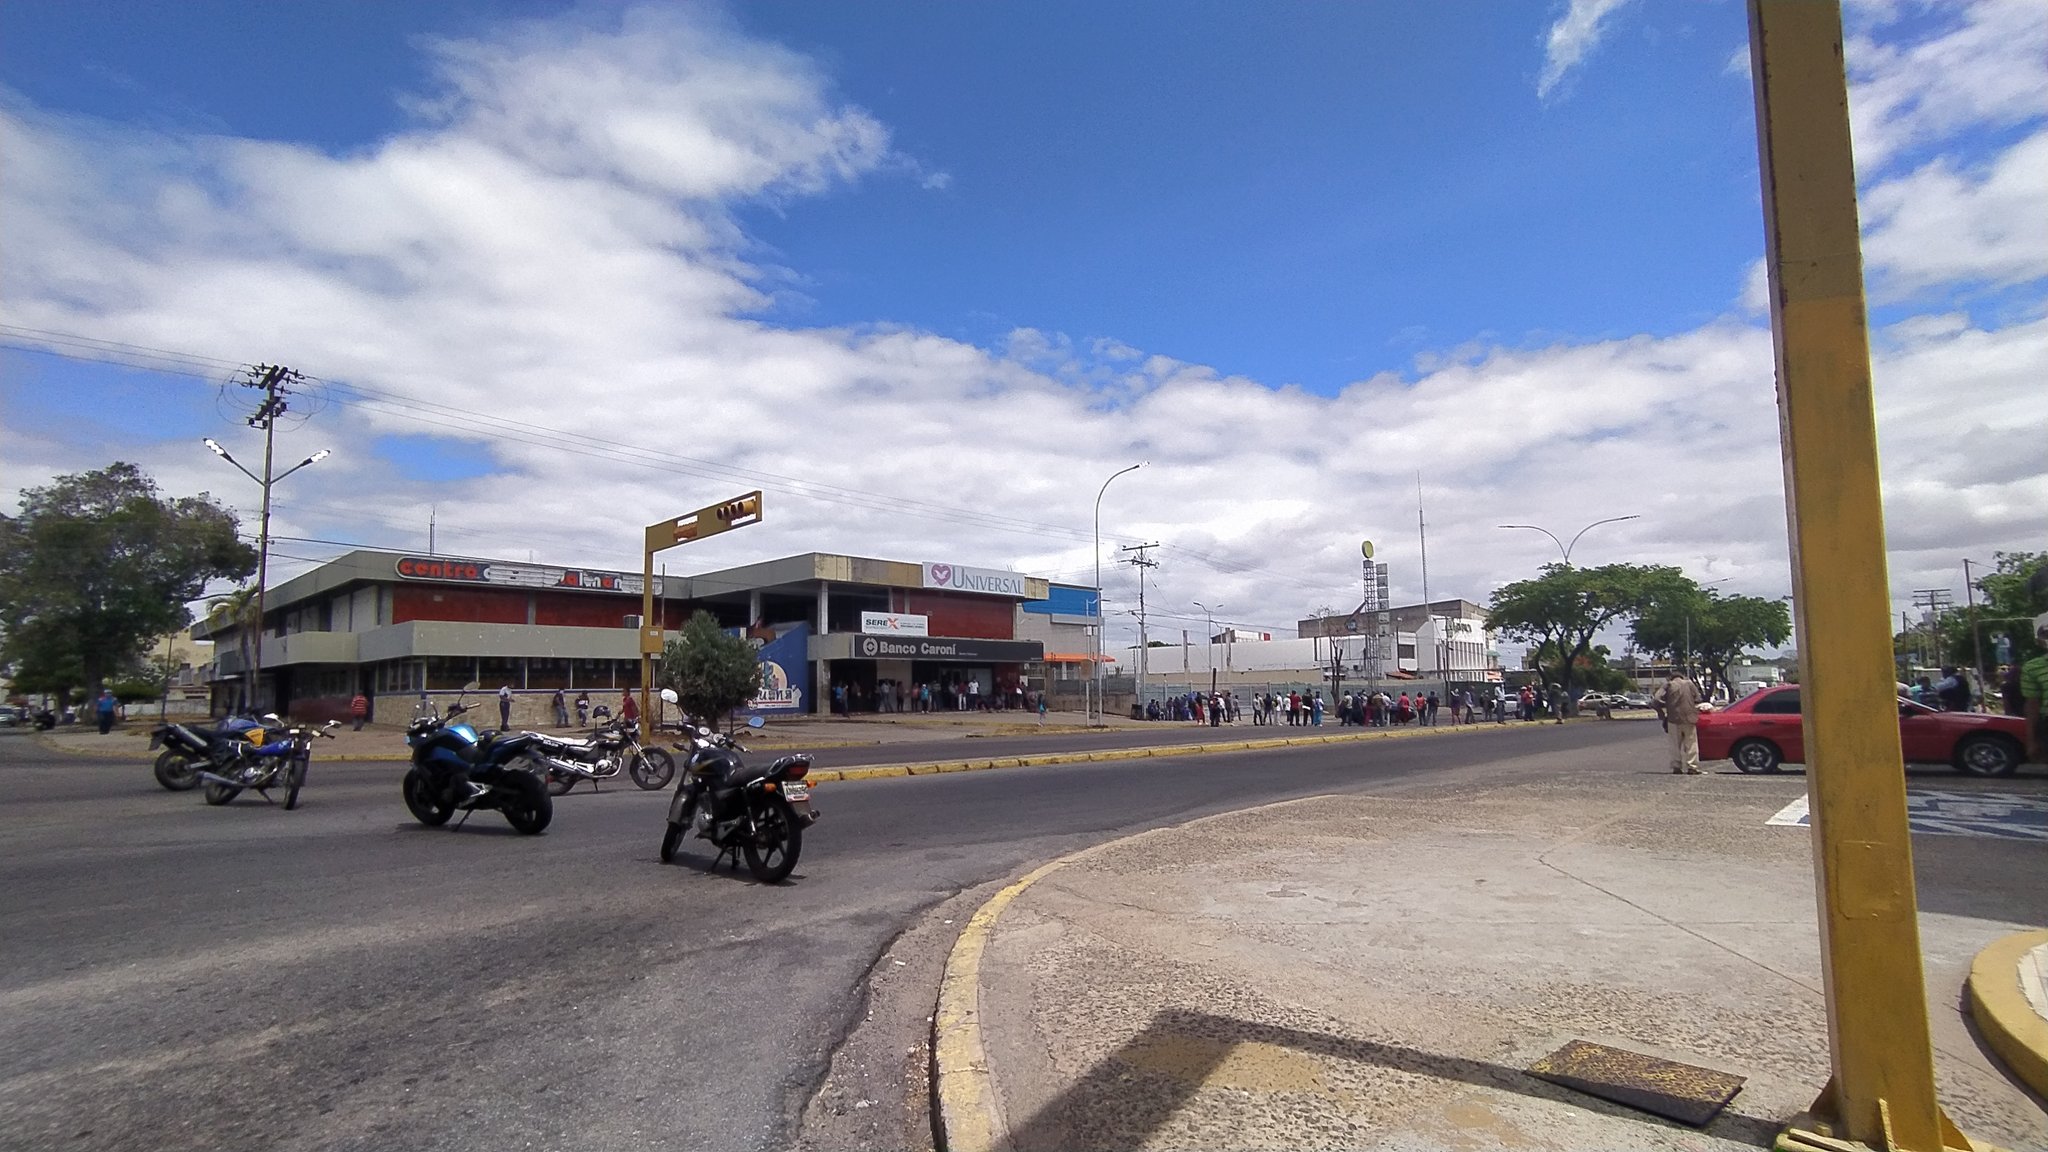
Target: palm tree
237, 608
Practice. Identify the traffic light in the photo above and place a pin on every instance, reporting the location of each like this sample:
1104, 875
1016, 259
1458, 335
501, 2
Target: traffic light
721, 517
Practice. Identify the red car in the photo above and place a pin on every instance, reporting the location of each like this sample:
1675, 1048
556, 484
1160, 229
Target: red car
1762, 731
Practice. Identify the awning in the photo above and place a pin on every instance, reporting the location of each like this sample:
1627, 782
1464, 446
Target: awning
1074, 658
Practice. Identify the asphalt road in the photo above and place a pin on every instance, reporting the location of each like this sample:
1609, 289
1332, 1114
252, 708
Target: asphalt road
174, 976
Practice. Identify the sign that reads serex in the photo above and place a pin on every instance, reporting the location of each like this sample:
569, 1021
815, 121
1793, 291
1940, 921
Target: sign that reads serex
895, 624
990, 581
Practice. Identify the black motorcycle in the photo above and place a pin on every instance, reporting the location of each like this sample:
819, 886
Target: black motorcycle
601, 755
278, 755
760, 813
189, 749
456, 770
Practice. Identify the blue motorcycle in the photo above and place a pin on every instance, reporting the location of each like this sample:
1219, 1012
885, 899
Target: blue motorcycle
276, 755
454, 769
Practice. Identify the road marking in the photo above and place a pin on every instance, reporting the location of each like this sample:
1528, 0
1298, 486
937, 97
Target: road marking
1935, 812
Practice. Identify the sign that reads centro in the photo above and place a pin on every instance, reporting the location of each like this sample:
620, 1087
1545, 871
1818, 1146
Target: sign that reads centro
895, 624
928, 648
520, 575
990, 581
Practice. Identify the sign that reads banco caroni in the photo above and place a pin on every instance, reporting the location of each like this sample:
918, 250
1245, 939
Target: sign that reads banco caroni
928, 648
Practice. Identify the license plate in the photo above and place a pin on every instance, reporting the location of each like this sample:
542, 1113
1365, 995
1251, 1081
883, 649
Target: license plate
795, 792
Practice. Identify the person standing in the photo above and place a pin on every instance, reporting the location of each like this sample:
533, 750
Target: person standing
2034, 690
582, 709
359, 710
505, 706
1678, 706
561, 709
1434, 704
629, 708
103, 708
1315, 709
1558, 702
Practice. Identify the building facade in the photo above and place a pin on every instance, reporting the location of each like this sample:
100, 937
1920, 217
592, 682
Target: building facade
395, 625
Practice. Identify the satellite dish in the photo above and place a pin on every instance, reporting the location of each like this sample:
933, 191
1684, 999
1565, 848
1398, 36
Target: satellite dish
1366, 549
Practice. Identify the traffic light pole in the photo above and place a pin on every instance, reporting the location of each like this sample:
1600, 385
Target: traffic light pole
1882, 1090
709, 521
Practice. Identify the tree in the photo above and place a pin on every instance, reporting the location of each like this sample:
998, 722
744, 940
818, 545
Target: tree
711, 671
1693, 624
237, 609
97, 565
1560, 611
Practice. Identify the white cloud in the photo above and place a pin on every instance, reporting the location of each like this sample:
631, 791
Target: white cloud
1987, 68
1940, 226
1571, 39
564, 255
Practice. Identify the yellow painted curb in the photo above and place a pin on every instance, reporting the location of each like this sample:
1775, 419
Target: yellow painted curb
2015, 1031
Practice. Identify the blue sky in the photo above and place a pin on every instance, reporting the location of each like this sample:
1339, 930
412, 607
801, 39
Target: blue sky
936, 268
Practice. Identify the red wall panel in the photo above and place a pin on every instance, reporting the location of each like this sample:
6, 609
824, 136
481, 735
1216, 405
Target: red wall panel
980, 617
468, 605
583, 611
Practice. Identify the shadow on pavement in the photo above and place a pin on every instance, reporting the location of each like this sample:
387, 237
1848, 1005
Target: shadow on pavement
1135, 1091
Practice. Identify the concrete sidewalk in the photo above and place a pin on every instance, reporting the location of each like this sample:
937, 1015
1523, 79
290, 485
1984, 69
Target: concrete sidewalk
1376, 972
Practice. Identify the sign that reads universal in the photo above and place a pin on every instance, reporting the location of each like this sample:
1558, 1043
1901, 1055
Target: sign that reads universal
955, 578
895, 624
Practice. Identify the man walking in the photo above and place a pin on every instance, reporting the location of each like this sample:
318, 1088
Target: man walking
505, 706
104, 709
561, 709
359, 710
1678, 706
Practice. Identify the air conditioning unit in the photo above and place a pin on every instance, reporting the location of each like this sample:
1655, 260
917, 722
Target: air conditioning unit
632, 621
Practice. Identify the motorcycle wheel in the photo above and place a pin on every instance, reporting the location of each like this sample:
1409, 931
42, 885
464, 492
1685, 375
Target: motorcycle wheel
176, 771
218, 794
653, 768
672, 836
530, 807
294, 779
420, 800
772, 852
559, 785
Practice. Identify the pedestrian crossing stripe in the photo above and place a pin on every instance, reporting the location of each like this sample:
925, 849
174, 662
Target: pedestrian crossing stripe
1946, 813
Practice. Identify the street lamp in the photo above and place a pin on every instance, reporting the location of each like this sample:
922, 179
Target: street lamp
1097, 675
254, 673
1210, 614
1563, 547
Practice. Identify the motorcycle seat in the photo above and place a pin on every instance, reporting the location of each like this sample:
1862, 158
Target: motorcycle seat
782, 762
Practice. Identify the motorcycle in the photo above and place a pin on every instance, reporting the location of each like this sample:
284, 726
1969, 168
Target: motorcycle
608, 748
265, 763
456, 770
760, 813
188, 747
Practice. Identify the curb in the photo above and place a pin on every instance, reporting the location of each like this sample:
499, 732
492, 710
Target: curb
968, 1119
2015, 1031
1038, 759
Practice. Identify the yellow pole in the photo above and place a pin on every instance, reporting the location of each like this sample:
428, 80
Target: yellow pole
647, 622
1882, 1091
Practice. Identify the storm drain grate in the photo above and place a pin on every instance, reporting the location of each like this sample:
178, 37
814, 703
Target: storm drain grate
1681, 1092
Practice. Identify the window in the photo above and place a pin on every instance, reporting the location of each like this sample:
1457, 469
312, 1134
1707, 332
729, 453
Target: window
496, 671
546, 672
592, 674
448, 673
395, 676
1779, 703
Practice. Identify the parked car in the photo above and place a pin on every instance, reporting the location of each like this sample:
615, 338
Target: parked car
1762, 731
10, 716
1635, 700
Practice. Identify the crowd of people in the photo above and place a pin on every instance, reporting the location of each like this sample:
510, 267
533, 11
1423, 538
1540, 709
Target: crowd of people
954, 694
1361, 709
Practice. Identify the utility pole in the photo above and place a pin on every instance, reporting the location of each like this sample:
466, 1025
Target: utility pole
275, 382
1976, 637
1141, 561
1428, 609
1934, 600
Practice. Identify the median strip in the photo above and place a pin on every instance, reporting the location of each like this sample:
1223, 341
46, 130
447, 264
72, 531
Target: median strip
1107, 755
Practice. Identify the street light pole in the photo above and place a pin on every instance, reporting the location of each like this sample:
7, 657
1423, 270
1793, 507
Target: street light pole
254, 673
1564, 548
1210, 614
1096, 678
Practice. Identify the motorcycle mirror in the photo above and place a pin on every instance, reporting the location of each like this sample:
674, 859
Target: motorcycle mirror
668, 695
273, 720
470, 687
756, 722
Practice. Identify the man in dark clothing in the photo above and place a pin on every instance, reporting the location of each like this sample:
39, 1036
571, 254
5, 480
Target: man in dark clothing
104, 709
